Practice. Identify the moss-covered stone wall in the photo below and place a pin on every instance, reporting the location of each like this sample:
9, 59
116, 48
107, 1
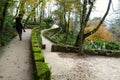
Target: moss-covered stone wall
68, 49
42, 71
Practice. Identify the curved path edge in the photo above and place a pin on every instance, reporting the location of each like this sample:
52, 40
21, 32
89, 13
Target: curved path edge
15, 60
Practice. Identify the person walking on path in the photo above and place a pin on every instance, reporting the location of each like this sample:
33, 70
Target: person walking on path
19, 26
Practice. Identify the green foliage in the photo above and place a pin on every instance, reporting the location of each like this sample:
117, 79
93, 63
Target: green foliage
1, 7
59, 37
48, 20
30, 22
88, 45
36, 40
63, 38
35, 44
46, 23
97, 44
112, 46
36, 49
39, 57
8, 31
43, 71
36, 36
43, 25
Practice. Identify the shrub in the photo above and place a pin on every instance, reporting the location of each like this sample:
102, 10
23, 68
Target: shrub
39, 57
48, 20
36, 49
97, 44
43, 71
56, 36
112, 46
29, 22
43, 25
8, 31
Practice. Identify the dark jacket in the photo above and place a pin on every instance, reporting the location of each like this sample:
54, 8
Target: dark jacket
18, 24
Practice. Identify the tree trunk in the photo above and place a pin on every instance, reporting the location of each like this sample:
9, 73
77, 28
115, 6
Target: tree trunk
42, 12
22, 8
85, 16
17, 10
32, 11
3, 15
80, 37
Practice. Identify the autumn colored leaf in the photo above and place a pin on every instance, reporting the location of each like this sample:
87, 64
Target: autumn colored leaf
102, 34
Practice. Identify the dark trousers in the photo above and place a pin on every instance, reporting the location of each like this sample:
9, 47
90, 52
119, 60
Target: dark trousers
20, 33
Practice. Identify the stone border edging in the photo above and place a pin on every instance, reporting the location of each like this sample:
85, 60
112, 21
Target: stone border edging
42, 71
67, 49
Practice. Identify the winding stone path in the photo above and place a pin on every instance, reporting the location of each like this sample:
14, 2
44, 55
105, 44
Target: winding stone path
15, 59
69, 66
16, 63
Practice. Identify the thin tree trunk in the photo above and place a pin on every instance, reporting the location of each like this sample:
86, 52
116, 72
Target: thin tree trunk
4, 14
68, 20
31, 13
42, 12
17, 10
40, 16
22, 8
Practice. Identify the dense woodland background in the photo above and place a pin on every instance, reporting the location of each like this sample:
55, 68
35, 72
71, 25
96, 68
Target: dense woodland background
76, 28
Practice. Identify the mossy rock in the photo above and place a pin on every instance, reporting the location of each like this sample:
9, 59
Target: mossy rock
43, 71
114, 53
61, 48
39, 57
35, 45
34, 40
36, 49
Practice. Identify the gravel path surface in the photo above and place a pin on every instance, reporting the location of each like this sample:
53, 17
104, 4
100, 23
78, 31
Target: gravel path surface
15, 60
69, 66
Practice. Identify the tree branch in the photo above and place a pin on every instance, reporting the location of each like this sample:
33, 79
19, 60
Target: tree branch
17, 9
93, 31
89, 12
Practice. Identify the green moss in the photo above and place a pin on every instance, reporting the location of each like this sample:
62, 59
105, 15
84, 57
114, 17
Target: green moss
36, 37
35, 45
43, 71
39, 57
36, 49
34, 40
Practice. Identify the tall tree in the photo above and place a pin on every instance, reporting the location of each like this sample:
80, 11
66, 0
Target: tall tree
63, 13
32, 12
84, 19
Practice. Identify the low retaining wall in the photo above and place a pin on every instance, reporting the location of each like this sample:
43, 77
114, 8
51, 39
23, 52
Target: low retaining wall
68, 49
42, 71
